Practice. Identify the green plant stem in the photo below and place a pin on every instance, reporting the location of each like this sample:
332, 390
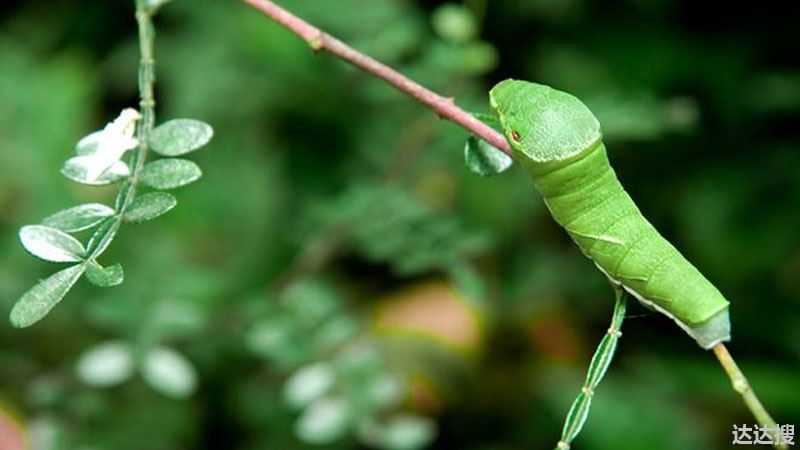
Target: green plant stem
147, 102
742, 386
579, 411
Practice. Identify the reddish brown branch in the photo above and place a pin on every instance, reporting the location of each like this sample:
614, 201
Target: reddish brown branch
318, 40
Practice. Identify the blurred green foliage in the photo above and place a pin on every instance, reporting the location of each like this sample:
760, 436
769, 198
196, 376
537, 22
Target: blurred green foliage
325, 189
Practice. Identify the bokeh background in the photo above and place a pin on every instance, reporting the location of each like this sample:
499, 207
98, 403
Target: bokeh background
339, 280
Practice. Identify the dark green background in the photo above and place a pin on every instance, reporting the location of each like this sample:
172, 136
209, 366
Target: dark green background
700, 105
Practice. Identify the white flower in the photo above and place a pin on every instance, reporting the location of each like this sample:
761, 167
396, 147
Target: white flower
101, 151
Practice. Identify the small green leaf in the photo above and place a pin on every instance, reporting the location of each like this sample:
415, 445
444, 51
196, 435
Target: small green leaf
149, 206
308, 384
471, 288
359, 362
102, 237
76, 170
88, 144
474, 58
408, 432
335, 332
79, 218
311, 300
104, 276
324, 421
40, 299
180, 136
51, 244
454, 22
275, 340
172, 318
106, 365
484, 159
400, 432
381, 391
169, 372
170, 173
488, 119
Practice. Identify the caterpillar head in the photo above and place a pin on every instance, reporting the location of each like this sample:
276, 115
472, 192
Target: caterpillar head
543, 124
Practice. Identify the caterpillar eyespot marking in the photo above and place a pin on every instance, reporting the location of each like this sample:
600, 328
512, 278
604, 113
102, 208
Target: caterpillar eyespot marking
564, 153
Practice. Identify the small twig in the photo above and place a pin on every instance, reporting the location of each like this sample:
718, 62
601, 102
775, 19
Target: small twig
742, 386
318, 40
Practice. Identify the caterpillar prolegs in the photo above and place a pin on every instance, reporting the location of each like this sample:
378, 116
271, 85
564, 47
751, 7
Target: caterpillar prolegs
558, 141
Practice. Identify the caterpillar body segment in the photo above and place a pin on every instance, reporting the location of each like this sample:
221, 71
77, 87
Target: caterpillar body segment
558, 141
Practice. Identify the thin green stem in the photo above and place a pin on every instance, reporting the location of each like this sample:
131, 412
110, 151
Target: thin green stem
742, 386
147, 102
579, 411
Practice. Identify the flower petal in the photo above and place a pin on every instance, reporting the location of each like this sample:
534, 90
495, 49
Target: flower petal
89, 144
78, 169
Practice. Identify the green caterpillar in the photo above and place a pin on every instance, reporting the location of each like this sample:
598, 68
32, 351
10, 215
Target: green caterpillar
558, 141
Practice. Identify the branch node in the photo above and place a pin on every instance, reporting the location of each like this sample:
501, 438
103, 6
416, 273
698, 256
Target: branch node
317, 43
741, 386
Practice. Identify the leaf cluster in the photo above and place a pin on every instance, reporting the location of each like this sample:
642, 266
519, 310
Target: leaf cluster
392, 227
340, 381
53, 239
